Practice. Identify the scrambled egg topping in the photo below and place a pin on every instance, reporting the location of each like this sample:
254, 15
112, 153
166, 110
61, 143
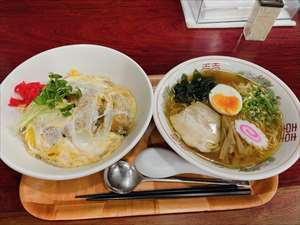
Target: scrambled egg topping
103, 116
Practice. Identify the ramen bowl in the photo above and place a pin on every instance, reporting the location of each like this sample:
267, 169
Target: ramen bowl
88, 59
288, 151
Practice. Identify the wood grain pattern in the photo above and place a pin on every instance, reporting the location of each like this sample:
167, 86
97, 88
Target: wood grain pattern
283, 209
154, 34
55, 200
151, 32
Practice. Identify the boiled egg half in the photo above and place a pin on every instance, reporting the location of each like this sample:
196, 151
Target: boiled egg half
226, 100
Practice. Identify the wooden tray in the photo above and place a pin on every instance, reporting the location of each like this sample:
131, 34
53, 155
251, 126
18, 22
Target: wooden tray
54, 200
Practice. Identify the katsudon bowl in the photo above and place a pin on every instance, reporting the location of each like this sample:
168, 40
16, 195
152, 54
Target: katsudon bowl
88, 60
287, 148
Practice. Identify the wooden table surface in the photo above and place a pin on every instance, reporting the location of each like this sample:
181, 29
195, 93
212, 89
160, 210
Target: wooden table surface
154, 34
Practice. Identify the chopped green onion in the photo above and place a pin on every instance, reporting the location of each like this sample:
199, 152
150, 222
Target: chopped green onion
56, 91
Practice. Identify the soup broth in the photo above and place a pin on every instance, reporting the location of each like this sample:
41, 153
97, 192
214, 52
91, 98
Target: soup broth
233, 149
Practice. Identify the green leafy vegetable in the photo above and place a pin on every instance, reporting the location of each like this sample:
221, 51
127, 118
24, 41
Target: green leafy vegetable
55, 92
195, 89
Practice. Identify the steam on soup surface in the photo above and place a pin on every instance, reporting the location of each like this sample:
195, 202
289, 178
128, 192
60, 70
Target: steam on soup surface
225, 117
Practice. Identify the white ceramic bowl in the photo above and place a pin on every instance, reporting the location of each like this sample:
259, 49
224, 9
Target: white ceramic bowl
288, 152
88, 59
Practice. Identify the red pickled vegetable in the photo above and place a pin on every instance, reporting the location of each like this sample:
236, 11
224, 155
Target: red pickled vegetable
27, 91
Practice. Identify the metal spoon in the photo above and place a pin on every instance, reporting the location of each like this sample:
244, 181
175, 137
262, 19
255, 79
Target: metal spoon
123, 178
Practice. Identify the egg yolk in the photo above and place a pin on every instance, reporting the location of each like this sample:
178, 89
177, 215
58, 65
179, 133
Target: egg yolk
54, 150
228, 104
30, 137
73, 73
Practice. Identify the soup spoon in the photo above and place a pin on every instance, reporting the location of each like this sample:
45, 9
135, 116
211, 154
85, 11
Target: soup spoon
123, 178
161, 163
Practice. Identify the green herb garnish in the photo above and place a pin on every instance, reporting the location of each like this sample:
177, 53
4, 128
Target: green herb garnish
261, 105
66, 111
195, 89
58, 91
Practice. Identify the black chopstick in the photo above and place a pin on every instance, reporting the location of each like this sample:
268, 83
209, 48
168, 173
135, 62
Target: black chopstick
176, 190
219, 190
176, 195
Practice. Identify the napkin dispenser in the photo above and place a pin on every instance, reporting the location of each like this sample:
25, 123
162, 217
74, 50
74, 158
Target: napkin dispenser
261, 19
